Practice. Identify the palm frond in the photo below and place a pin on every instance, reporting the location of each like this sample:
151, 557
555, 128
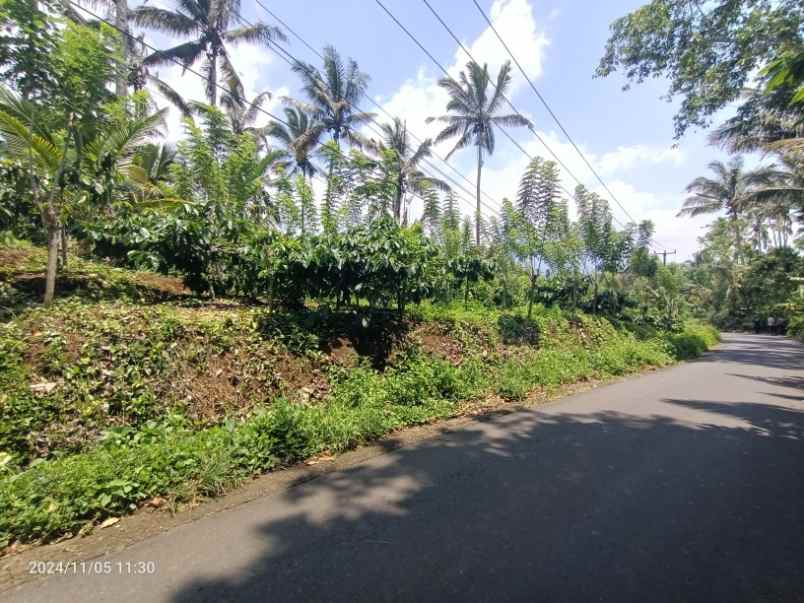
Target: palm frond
187, 54
168, 21
464, 141
450, 131
20, 138
503, 82
510, 121
170, 94
258, 33
255, 107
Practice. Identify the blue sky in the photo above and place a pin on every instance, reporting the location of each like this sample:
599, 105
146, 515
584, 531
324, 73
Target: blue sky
628, 136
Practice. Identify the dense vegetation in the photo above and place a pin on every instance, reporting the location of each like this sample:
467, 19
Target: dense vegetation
751, 53
206, 316
132, 390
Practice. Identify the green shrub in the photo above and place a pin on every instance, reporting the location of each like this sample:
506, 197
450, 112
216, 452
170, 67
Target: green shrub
693, 340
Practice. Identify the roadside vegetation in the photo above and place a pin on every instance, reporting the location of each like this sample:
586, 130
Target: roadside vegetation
177, 319
130, 391
749, 273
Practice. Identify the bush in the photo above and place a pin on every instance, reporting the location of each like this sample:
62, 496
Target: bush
693, 340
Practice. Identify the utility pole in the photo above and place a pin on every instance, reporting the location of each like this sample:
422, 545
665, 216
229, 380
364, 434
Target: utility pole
664, 255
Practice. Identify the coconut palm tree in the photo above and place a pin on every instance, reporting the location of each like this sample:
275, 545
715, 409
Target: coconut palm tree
472, 113
209, 23
731, 190
299, 138
240, 114
781, 200
243, 114
332, 96
407, 158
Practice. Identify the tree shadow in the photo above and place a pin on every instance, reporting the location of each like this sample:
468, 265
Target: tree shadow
515, 329
545, 505
30, 289
759, 350
371, 334
791, 381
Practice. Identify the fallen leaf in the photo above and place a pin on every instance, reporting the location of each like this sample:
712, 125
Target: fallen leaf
44, 388
107, 523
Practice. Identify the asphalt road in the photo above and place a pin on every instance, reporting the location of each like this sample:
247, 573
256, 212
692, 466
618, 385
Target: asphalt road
685, 484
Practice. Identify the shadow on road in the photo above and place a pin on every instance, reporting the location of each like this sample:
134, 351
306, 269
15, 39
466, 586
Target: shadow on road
550, 506
767, 351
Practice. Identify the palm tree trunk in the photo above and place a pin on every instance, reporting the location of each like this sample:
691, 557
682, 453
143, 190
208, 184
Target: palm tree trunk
302, 211
737, 237
63, 247
52, 223
477, 214
212, 59
398, 200
52, 259
326, 214
121, 22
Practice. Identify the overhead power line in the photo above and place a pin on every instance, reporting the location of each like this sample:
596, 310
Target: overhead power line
505, 98
552, 113
508, 101
190, 69
383, 110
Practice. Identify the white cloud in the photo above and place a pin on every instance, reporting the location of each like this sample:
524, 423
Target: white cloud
627, 157
249, 60
420, 97
514, 21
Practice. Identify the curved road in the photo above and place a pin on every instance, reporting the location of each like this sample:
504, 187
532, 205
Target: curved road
685, 484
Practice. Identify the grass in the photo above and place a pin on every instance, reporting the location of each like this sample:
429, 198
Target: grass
180, 400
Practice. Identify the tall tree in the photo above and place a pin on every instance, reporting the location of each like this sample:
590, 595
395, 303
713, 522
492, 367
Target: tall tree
431, 212
53, 142
406, 159
299, 138
538, 194
731, 190
332, 96
472, 113
209, 23
603, 247
708, 51
96, 157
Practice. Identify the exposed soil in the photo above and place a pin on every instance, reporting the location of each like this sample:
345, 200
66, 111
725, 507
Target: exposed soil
434, 341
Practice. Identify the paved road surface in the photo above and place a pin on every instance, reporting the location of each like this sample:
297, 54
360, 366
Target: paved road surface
681, 485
